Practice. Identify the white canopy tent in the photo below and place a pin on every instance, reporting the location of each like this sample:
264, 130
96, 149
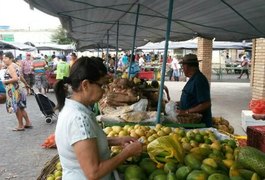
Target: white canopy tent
217, 45
4, 45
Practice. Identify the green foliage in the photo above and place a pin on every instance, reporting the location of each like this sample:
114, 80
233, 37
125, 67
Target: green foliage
60, 36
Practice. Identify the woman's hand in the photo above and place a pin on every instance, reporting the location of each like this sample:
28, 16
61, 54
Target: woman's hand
123, 141
134, 148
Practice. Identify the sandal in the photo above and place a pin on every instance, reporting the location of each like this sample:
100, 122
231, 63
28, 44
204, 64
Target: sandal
18, 129
28, 126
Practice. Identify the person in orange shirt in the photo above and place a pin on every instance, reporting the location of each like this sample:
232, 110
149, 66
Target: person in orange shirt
73, 59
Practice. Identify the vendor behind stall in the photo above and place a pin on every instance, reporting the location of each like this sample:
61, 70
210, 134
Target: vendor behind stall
195, 97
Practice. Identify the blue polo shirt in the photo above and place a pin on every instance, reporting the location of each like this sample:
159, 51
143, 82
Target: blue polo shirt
197, 91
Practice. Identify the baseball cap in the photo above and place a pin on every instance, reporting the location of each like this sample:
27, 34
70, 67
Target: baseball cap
28, 54
190, 59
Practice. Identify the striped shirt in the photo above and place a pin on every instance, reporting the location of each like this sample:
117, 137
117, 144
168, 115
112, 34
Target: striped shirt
39, 66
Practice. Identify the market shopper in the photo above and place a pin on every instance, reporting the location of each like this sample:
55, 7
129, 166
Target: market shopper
73, 59
15, 96
62, 68
245, 67
195, 97
175, 67
82, 145
27, 70
39, 68
166, 95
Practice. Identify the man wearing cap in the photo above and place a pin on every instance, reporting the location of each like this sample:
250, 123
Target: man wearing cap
27, 70
195, 97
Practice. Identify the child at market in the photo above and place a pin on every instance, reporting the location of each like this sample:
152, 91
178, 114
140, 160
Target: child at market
82, 145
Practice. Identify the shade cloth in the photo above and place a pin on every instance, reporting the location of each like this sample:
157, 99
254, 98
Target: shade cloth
87, 22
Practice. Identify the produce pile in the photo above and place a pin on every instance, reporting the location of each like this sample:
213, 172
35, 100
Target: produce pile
257, 106
120, 92
57, 173
222, 124
174, 153
49, 142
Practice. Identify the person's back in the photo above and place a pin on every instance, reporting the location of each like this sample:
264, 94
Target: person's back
63, 68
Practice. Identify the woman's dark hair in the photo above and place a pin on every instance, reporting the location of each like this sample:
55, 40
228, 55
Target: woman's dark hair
91, 69
9, 55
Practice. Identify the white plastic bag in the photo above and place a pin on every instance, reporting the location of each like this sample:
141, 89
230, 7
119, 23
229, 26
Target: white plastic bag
170, 110
140, 105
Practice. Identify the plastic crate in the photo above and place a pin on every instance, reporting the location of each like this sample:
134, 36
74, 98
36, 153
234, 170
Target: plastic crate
147, 75
256, 137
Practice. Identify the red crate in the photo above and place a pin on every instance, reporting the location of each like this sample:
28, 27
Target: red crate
148, 75
256, 137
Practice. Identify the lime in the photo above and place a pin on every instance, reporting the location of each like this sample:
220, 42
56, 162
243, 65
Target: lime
208, 141
232, 143
199, 138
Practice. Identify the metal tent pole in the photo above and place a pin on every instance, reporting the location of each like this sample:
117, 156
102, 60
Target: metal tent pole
164, 62
134, 38
117, 50
107, 53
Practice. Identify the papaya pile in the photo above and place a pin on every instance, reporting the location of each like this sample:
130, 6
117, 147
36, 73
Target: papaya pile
57, 173
205, 157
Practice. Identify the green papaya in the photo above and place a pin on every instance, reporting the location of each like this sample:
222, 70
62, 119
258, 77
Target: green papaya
197, 175
148, 165
183, 172
171, 176
208, 169
252, 158
155, 173
191, 161
170, 167
247, 174
160, 177
217, 176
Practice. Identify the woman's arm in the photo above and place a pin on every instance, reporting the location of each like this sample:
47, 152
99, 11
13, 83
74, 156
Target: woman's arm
167, 92
92, 166
24, 81
13, 74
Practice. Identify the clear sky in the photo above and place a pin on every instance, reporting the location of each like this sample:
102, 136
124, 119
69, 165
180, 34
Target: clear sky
18, 15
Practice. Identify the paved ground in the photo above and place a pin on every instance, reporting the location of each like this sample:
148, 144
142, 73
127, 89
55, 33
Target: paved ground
21, 155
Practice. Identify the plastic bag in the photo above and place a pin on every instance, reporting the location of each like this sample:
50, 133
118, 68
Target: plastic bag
257, 106
170, 110
140, 105
164, 149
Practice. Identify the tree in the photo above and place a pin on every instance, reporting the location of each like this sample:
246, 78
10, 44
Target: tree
60, 36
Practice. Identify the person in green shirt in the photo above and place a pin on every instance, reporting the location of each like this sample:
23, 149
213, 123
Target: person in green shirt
63, 68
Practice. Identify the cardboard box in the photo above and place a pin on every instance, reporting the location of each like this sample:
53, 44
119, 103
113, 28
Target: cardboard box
256, 137
247, 120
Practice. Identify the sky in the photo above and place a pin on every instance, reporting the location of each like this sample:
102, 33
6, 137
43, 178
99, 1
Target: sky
18, 15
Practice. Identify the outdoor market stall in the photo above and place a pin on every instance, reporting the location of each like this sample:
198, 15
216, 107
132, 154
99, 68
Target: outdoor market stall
95, 22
